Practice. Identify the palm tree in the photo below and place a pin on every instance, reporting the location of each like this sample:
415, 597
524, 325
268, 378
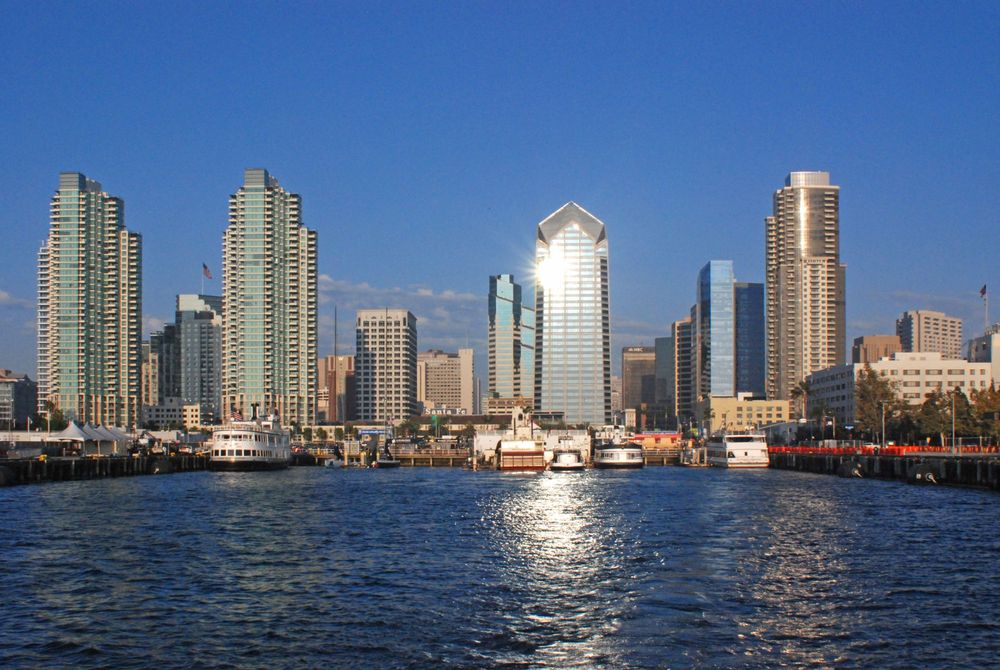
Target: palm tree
800, 394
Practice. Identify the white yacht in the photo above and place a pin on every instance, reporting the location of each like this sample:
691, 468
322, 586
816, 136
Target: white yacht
747, 450
259, 444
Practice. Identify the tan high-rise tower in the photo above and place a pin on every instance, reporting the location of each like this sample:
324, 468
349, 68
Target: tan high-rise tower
804, 282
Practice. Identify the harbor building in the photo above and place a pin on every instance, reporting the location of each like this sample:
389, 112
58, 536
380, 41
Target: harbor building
445, 381
510, 341
740, 413
198, 320
872, 348
986, 349
337, 391
913, 375
269, 303
385, 365
804, 282
573, 318
90, 307
927, 330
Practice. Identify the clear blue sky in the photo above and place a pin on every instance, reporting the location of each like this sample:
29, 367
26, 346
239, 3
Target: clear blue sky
428, 139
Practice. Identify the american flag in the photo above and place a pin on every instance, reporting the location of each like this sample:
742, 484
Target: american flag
235, 414
205, 271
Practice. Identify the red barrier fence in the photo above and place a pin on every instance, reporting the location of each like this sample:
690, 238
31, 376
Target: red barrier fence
891, 450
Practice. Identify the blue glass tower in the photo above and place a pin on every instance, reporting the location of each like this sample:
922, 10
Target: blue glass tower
511, 340
715, 331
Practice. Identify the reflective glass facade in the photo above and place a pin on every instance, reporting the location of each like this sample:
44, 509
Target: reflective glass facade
511, 341
715, 331
750, 354
573, 345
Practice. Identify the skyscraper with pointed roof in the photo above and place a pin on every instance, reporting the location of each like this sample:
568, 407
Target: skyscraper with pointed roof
572, 317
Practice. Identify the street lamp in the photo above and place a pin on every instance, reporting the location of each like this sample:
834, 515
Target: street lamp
882, 403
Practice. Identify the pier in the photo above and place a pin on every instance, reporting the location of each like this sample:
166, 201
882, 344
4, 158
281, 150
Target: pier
980, 468
60, 469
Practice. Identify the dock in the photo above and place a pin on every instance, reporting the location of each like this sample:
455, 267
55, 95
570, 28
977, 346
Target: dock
976, 469
62, 469
428, 458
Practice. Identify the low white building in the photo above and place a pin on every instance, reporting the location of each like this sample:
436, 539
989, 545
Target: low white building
914, 375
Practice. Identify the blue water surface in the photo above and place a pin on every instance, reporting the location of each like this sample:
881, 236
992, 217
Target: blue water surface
445, 568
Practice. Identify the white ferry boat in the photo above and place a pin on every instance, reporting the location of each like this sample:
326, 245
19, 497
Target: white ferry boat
250, 445
738, 451
567, 460
616, 451
626, 455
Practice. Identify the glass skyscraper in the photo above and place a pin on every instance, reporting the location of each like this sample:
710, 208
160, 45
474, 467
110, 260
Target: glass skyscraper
268, 303
90, 307
573, 336
750, 353
715, 331
511, 341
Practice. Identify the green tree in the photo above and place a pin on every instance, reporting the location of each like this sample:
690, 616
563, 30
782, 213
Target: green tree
934, 416
307, 434
338, 433
986, 411
874, 394
321, 434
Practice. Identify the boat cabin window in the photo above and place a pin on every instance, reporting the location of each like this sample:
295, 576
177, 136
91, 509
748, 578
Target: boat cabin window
740, 438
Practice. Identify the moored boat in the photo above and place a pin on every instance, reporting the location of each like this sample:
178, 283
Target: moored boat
251, 445
567, 460
738, 450
618, 456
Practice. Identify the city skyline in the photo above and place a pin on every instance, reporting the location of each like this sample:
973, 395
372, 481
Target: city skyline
677, 147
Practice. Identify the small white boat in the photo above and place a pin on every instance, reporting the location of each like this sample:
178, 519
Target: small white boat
567, 460
741, 450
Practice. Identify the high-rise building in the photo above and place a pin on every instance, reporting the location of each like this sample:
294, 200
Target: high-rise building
665, 382
337, 389
715, 331
385, 364
682, 334
165, 350
90, 307
511, 341
269, 345
728, 335
199, 332
638, 377
445, 381
926, 330
573, 321
804, 282
873, 348
751, 355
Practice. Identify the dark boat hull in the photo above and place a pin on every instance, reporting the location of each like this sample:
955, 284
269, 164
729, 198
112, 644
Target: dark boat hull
246, 466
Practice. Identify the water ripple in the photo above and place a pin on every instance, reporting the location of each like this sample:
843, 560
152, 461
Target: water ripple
664, 567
